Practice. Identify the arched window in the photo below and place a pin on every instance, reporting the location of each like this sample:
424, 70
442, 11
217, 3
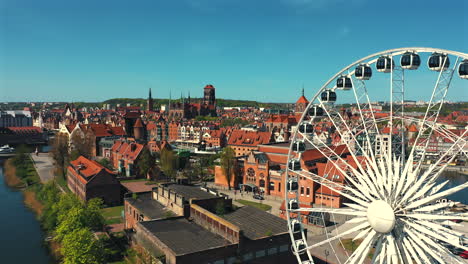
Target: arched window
262, 183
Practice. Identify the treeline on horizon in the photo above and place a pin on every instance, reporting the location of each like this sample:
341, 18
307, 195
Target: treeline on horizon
219, 102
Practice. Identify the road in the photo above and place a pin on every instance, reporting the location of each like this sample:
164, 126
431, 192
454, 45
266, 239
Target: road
44, 166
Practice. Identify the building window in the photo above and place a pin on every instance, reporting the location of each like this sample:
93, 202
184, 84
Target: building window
260, 253
272, 186
272, 251
248, 256
308, 191
302, 190
283, 248
279, 186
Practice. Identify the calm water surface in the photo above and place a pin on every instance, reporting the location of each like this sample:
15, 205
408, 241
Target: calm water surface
21, 236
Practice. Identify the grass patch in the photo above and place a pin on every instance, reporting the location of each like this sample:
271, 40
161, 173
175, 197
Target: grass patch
112, 212
62, 183
264, 207
134, 180
351, 245
115, 220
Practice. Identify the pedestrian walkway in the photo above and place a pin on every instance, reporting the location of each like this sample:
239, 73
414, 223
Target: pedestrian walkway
44, 165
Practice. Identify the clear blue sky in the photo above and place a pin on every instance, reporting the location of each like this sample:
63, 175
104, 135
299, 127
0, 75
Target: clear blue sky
265, 50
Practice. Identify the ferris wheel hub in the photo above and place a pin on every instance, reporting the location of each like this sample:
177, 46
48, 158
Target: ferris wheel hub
381, 216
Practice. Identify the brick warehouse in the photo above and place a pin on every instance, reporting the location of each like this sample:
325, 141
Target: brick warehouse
243, 235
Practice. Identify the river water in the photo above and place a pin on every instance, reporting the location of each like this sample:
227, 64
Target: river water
21, 238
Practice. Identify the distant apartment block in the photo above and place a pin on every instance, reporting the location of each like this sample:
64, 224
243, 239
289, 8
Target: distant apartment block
15, 118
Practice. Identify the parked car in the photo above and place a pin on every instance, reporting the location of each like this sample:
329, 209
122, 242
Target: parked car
258, 197
456, 220
464, 254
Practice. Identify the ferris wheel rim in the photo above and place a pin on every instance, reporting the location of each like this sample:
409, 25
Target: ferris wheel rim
368, 61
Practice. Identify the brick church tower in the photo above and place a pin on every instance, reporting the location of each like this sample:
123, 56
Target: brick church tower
209, 101
209, 95
149, 103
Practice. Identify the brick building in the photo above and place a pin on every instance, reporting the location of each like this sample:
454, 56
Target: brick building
244, 235
243, 142
89, 179
124, 155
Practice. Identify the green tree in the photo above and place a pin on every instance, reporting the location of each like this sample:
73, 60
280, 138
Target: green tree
168, 163
228, 164
83, 143
94, 218
146, 163
106, 163
79, 247
75, 219
59, 153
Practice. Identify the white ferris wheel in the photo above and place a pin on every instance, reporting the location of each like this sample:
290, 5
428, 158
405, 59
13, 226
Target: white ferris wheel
392, 206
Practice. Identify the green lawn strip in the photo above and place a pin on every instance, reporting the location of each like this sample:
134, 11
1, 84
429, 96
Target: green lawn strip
351, 245
62, 182
112, 212
134, 180
115, 220
264, 207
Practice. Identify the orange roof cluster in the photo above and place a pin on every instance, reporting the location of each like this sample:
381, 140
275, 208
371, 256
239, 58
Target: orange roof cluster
104, 130
128, 150
249, 138
84, 169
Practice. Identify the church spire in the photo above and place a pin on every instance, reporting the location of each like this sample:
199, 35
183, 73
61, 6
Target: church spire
149, 97
302, 89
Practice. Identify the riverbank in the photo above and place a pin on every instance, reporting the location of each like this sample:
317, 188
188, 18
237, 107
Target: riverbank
28, 185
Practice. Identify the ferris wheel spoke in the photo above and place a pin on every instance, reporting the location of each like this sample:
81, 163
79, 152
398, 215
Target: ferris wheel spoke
427, 178
431, 232
328, 153
412, 251
344, 190
436, 196
360, 88
342, 127
427, 245
420, 248
378, 249
433, 109
450, 234
347, 232
435, 207
362, 186
421, 216
361, 252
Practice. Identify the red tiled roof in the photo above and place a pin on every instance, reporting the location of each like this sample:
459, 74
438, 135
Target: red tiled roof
302, 100
84, 168
28, 130
249, 138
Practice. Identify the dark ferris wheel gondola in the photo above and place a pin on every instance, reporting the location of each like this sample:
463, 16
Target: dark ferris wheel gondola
463, 69
385, 64
410, 61
328, 96
344, 82
363, 72
438, 62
